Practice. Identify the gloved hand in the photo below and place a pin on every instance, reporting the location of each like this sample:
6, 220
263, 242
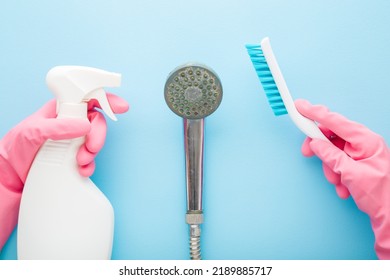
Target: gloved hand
357, 163
20, 145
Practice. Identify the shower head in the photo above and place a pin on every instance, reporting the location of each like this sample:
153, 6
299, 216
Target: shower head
193, 91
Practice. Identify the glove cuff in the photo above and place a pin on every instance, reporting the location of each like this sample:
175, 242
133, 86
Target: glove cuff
381, 228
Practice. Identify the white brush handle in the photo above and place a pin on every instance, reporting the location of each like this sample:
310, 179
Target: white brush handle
306, 125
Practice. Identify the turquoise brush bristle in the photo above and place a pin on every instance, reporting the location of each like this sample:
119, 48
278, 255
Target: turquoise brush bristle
276, 89
267, 81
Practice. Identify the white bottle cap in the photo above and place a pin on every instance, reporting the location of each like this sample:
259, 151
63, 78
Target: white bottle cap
78, 84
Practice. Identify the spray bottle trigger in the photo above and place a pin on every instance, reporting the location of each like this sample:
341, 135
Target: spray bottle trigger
100, 95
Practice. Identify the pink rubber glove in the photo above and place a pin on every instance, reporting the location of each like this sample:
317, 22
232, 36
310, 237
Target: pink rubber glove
357, 163
20, 145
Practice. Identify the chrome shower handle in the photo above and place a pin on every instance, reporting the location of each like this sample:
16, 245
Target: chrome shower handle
193, 145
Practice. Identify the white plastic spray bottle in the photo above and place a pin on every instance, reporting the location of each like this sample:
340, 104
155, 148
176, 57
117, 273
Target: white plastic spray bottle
62, 214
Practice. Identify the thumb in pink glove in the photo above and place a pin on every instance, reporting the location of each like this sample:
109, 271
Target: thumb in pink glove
357, 163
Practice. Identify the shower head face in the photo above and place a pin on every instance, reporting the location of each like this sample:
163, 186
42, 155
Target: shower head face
193, 91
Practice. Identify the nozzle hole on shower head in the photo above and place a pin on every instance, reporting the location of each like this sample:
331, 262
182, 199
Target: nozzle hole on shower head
193, 91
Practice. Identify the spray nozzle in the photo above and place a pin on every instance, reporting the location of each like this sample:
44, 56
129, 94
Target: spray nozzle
78, 84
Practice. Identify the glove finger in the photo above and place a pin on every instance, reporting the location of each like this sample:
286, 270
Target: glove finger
348, 130
84, 156
335, 179
342, 191
118, 105
87, 170
58, 129
306, 149
95, 139
336, 159
330, 175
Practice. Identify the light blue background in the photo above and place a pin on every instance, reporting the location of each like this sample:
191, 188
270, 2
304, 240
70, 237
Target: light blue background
262, 199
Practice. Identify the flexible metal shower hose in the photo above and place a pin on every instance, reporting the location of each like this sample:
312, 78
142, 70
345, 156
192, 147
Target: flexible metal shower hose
195, 242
